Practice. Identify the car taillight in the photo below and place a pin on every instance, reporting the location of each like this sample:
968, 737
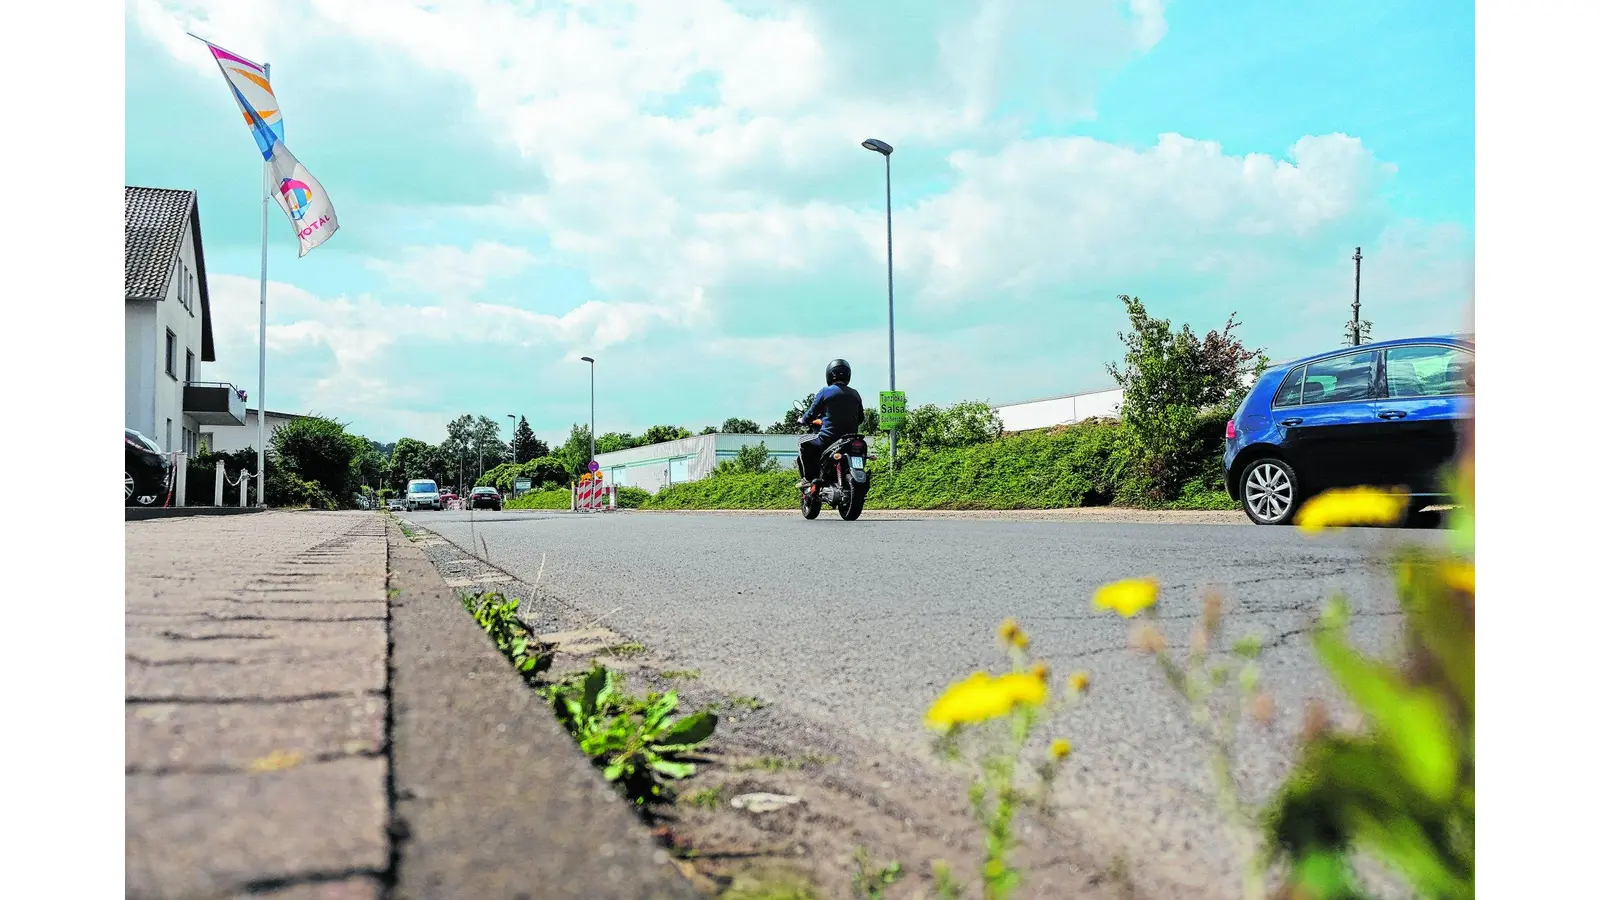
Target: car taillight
1232, 432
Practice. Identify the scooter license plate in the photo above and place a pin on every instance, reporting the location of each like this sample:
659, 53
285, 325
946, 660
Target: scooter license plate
857, 463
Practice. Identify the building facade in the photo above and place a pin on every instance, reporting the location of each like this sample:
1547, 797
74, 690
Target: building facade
656, 466
245, 436
168, 323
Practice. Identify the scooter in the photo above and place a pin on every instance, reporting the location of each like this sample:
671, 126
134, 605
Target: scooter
844, 478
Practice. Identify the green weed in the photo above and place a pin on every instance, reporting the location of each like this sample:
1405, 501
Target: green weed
869, 880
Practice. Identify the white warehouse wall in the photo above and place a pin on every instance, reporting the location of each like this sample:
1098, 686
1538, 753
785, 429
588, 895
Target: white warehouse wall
1053, 411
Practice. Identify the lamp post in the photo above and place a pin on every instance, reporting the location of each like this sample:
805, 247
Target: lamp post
590, 361
878, 146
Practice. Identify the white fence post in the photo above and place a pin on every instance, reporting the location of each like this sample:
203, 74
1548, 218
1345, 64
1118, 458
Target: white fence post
244, 485
613, 491
221, 477
180, 478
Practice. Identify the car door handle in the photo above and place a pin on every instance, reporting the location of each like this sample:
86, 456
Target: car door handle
1293, 421
1392, 414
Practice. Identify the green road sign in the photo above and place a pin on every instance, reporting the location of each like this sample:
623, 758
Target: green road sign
891, 409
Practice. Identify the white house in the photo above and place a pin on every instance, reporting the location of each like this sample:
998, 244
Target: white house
228, 438
168, 318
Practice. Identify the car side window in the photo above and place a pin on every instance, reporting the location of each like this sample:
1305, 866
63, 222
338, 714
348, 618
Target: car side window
1289, 392
1342, 379
1428, 370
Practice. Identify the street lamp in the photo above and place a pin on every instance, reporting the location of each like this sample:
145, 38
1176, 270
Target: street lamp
590, 361
511, 442
877, 146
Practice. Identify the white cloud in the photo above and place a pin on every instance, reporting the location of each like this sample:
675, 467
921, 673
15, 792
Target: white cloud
451, 271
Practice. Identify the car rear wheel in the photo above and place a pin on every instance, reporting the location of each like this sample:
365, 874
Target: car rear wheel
1271, 491
127, 486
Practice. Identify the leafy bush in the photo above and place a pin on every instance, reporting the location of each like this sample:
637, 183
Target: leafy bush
631, 497
752, 459
315, 449
286, 489
772, 490
931, 428
559, 498
1065, 467
1178, 390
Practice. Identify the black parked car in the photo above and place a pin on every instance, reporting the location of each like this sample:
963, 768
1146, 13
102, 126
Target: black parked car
148, 472
485, 497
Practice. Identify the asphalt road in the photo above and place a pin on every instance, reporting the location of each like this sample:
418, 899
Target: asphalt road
862, 624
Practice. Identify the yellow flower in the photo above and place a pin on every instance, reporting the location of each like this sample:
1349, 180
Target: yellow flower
1129, 597
1078, 681
1059, 748
1040, 671
1029, 688
1012, 633
981, 697
1351, 506
1459, 575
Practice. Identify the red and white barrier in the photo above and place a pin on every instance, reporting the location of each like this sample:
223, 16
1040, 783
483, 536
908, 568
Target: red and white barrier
591, 494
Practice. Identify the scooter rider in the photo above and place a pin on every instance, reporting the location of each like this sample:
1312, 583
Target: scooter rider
841, 412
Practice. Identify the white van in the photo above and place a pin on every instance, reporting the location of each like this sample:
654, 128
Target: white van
423, 493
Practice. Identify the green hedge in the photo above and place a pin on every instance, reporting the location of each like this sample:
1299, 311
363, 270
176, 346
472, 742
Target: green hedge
768, 490
1074, 466
559, 498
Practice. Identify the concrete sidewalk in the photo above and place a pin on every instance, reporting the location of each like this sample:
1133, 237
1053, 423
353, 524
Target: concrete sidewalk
311, 714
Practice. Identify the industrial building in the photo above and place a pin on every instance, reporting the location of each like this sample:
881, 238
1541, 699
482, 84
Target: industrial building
1066, 409
656, 466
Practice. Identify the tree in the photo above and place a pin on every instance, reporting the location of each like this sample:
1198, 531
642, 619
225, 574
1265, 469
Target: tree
740, 426
411, 459
869, 420
574, 452
790, 423
660, 434
525, 445
1357, 332
486, 444
709, 429
612, 441
1175, 388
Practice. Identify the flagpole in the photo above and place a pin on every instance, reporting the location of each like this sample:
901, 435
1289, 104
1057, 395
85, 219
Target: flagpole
261, 374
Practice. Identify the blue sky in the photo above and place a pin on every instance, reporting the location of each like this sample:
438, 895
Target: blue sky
678, 191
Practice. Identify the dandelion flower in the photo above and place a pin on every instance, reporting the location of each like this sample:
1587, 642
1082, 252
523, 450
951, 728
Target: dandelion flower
1011, 633
1351, 506
1040, 671
1059, 748
1129, 597
981, 697
1078, 681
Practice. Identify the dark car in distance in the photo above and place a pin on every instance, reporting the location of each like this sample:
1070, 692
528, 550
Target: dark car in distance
485, 498
146, 471
1387, 414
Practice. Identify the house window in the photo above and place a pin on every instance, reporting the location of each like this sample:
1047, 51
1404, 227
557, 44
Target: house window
188, 365
172, 361
168, 444
194, 291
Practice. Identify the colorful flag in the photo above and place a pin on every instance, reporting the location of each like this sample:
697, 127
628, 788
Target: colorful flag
299, 194
302, 198
253, 91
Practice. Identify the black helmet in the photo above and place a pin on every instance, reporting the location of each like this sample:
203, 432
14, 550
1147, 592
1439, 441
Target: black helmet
838, 372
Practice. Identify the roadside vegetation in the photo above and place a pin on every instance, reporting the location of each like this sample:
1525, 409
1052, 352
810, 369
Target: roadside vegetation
1397, 787
638, 743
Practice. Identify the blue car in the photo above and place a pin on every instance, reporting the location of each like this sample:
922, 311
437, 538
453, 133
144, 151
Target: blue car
1387, 414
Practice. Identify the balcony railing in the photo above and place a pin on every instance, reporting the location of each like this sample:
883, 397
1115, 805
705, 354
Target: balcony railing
213, 403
